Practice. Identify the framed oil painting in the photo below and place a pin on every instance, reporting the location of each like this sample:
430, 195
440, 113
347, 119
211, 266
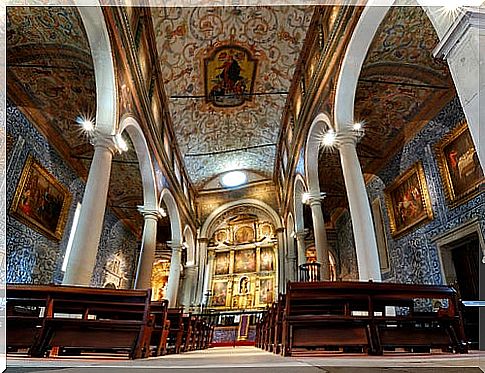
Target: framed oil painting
219, 294
40, 201
267, 259
222, 263
266, 290
459, 165
407, 200
229, 76
245, 261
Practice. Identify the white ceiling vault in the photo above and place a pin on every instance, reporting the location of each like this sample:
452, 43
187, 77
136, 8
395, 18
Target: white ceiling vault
215, 139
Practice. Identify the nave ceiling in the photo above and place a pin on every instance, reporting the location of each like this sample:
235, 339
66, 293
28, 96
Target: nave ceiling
215, 139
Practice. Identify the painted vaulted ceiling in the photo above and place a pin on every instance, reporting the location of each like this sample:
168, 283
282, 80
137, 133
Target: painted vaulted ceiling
50, 77
401, 88
227, 71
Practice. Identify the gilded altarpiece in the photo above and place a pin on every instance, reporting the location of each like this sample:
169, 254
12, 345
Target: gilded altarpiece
245, 265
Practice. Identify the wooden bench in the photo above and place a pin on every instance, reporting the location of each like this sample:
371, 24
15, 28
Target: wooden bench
75, 319
175, 335
278, 324
353, 315
160, 328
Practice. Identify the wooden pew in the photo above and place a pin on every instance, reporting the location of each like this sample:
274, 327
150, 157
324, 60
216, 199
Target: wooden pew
278, 324
352, 315
86, 319
160, 327
175, 335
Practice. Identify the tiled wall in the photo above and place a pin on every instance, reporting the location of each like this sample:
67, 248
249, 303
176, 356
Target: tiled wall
414, 256
31, 256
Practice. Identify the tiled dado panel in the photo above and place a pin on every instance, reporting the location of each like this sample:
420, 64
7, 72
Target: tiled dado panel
414, 256
32, 257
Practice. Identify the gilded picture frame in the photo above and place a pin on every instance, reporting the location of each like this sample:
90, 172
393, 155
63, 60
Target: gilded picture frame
459, 166
407, 201
40, 201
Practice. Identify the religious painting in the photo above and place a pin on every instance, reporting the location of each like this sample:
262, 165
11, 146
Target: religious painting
408, 201
220, 236
159, 281
459, 165
245, 261
219, 294
244, 234
267, 259
311, 254
266, 291
244, 286
229, 76
266, 230
40, 201
222, 263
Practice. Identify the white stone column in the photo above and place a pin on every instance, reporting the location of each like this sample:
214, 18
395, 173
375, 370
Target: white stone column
208, 276
301, 246
291, 259
462, 45
280, 235
320, 234
147, 252
360, 212
202, 250
90, 225
189, 285
174, 274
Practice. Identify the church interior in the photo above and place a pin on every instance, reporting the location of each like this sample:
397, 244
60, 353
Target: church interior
269, 181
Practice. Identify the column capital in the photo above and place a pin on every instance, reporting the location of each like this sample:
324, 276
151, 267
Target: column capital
211, 254
347, 137
203, 240
149, 213
301, 234
101, 140
280, 229
175, 246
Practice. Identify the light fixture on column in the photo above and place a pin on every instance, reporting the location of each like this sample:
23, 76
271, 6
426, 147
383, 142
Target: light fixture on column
306, 197
121, 143
162, 212
86, 122
329, 138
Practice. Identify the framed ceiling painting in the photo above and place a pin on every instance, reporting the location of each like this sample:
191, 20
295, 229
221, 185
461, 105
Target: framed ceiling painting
408, 202
459, 166
40, 201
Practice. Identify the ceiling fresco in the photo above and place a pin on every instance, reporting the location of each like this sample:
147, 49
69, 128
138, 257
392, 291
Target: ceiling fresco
230, 108
50, 76
401, 88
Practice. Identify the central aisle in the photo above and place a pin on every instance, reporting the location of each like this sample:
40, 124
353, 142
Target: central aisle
253, 360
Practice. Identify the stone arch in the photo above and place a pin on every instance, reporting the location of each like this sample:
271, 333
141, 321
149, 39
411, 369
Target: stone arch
99, 42
174, 215
208, 226
189, 240
291, 254
468, 89
319, 126
131, 126
299, 188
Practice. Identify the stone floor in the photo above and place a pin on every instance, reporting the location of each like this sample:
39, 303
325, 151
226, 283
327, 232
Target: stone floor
252, 360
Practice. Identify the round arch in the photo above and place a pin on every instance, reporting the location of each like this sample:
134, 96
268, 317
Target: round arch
131, 126
104, 72
207, 228
291, 255
174, 215
189, 240
356, 52
319, 126
299, 188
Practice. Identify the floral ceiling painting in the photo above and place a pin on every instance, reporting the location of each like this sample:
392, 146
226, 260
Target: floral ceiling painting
227, 72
